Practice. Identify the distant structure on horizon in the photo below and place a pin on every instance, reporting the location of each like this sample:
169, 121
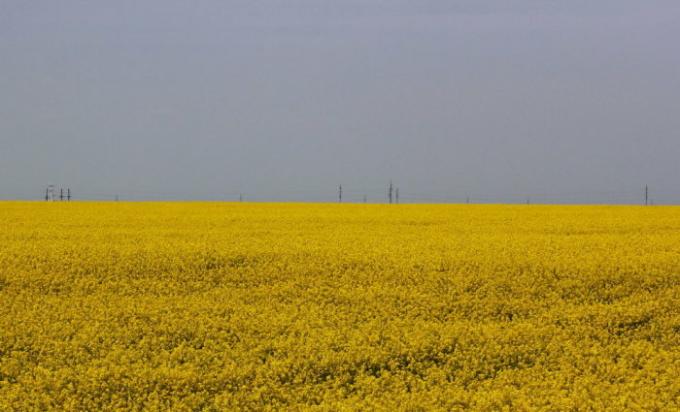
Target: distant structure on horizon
50, 194
53, 193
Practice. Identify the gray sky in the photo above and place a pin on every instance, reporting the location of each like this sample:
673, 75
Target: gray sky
563, 101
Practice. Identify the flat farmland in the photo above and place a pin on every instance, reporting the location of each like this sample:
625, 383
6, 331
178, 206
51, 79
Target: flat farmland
257, 306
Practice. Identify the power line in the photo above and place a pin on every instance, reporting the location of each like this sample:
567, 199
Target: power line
394, 195
646, 195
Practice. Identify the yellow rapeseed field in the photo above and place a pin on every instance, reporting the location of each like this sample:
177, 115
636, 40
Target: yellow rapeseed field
237, 306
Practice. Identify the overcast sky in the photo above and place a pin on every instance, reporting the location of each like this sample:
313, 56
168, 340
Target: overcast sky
562, 101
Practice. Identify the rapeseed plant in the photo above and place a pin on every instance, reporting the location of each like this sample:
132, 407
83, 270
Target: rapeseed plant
222, 306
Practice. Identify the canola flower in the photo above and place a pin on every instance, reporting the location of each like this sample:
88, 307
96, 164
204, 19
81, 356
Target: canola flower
223, 306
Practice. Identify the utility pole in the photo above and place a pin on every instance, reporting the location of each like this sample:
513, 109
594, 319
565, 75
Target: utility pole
646, 195
467, 200
365, 199
61, 194
68, 194
389, 192
340, 194
397, 195
240, 197
47, 194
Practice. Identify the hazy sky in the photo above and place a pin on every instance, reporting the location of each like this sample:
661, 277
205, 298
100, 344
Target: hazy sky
498, 100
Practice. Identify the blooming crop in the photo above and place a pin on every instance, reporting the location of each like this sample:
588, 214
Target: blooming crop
223, 306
